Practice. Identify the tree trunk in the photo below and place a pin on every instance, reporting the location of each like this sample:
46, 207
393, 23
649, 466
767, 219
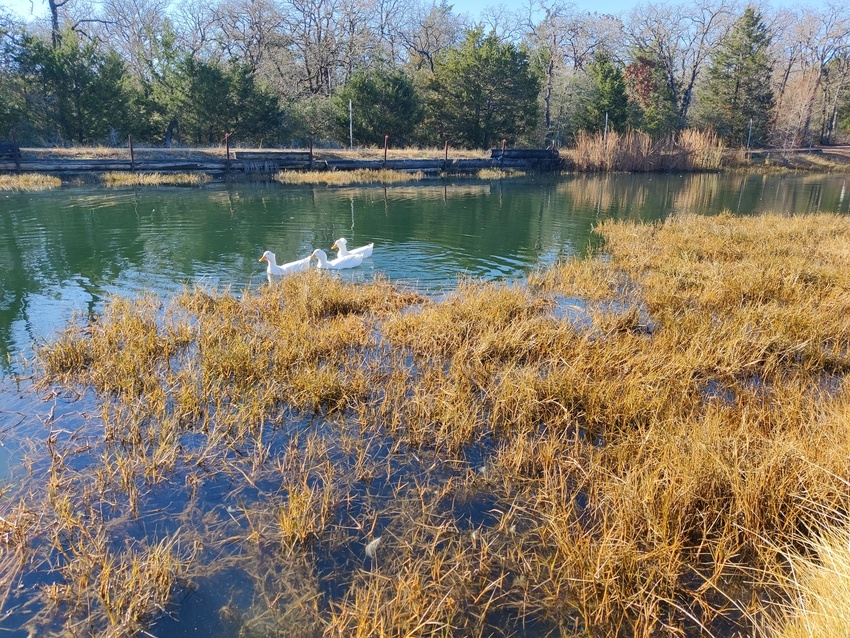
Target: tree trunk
169, 132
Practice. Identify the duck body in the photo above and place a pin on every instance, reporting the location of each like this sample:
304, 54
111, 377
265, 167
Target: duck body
340, 263
273, 268
342, 251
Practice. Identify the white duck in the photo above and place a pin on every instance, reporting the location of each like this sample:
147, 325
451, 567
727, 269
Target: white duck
342, 251
349, 261
273, 268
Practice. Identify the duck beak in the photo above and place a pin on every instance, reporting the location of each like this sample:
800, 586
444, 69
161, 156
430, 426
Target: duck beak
335, 246
263, 258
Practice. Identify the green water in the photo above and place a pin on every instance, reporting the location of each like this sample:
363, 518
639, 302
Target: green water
62, 252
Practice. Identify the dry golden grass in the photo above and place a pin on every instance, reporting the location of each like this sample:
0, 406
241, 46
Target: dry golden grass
630, 444
154, 179
497, 173
690, 150
28, 182
817, 587
342, 178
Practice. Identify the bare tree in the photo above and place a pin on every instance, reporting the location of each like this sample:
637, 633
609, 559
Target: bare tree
387, 22
195, 25
811, 48
680, 37
312, 25
247, 29
430, 30
132, 27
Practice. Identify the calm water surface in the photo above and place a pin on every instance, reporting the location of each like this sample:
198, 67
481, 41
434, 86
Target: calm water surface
62, 252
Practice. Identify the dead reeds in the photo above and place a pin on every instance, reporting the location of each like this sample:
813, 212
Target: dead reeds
628, 444
690, 150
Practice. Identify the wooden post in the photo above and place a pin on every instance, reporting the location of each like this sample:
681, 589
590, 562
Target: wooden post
446, 162
311, 153
132, 155
502, 158
227, 151
386, 139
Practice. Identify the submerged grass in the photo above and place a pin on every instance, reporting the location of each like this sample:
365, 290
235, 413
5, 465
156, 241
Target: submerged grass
630, 444
359, 176
28, 182
154, 179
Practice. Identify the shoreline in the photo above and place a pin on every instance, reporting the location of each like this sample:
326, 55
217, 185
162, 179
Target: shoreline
248, 164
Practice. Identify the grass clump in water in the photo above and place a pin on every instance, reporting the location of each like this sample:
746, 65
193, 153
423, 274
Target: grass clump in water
29, 182
342, 178
626, 445
498, 173
154, 179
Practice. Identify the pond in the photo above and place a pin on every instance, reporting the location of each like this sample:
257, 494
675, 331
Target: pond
64, 252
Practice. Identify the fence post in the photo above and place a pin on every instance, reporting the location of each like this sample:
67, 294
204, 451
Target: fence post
386, 140
132, 154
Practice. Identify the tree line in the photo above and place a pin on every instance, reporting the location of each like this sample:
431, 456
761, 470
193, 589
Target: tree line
293, 72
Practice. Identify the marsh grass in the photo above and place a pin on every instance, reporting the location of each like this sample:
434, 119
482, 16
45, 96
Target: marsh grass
343, 178
498, 173
154, 179
639, 466
817, 586
29, 182
690, 150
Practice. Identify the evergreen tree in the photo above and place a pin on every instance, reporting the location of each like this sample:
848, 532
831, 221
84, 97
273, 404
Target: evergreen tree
77, 93
383, 103
648, 90
12, 107
738, 87
480, 93
607, 95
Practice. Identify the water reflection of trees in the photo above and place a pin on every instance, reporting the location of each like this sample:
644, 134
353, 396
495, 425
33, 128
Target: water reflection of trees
93, 240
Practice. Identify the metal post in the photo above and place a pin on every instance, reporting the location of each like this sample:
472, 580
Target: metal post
386, 139
132, 155
350, 127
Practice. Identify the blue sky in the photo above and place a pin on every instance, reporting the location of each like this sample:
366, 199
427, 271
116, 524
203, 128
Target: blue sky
26, 9
38, 8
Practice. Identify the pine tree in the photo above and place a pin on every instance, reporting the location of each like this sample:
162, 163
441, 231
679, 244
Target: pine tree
737, 89
384, 102
480, 93
607, 96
